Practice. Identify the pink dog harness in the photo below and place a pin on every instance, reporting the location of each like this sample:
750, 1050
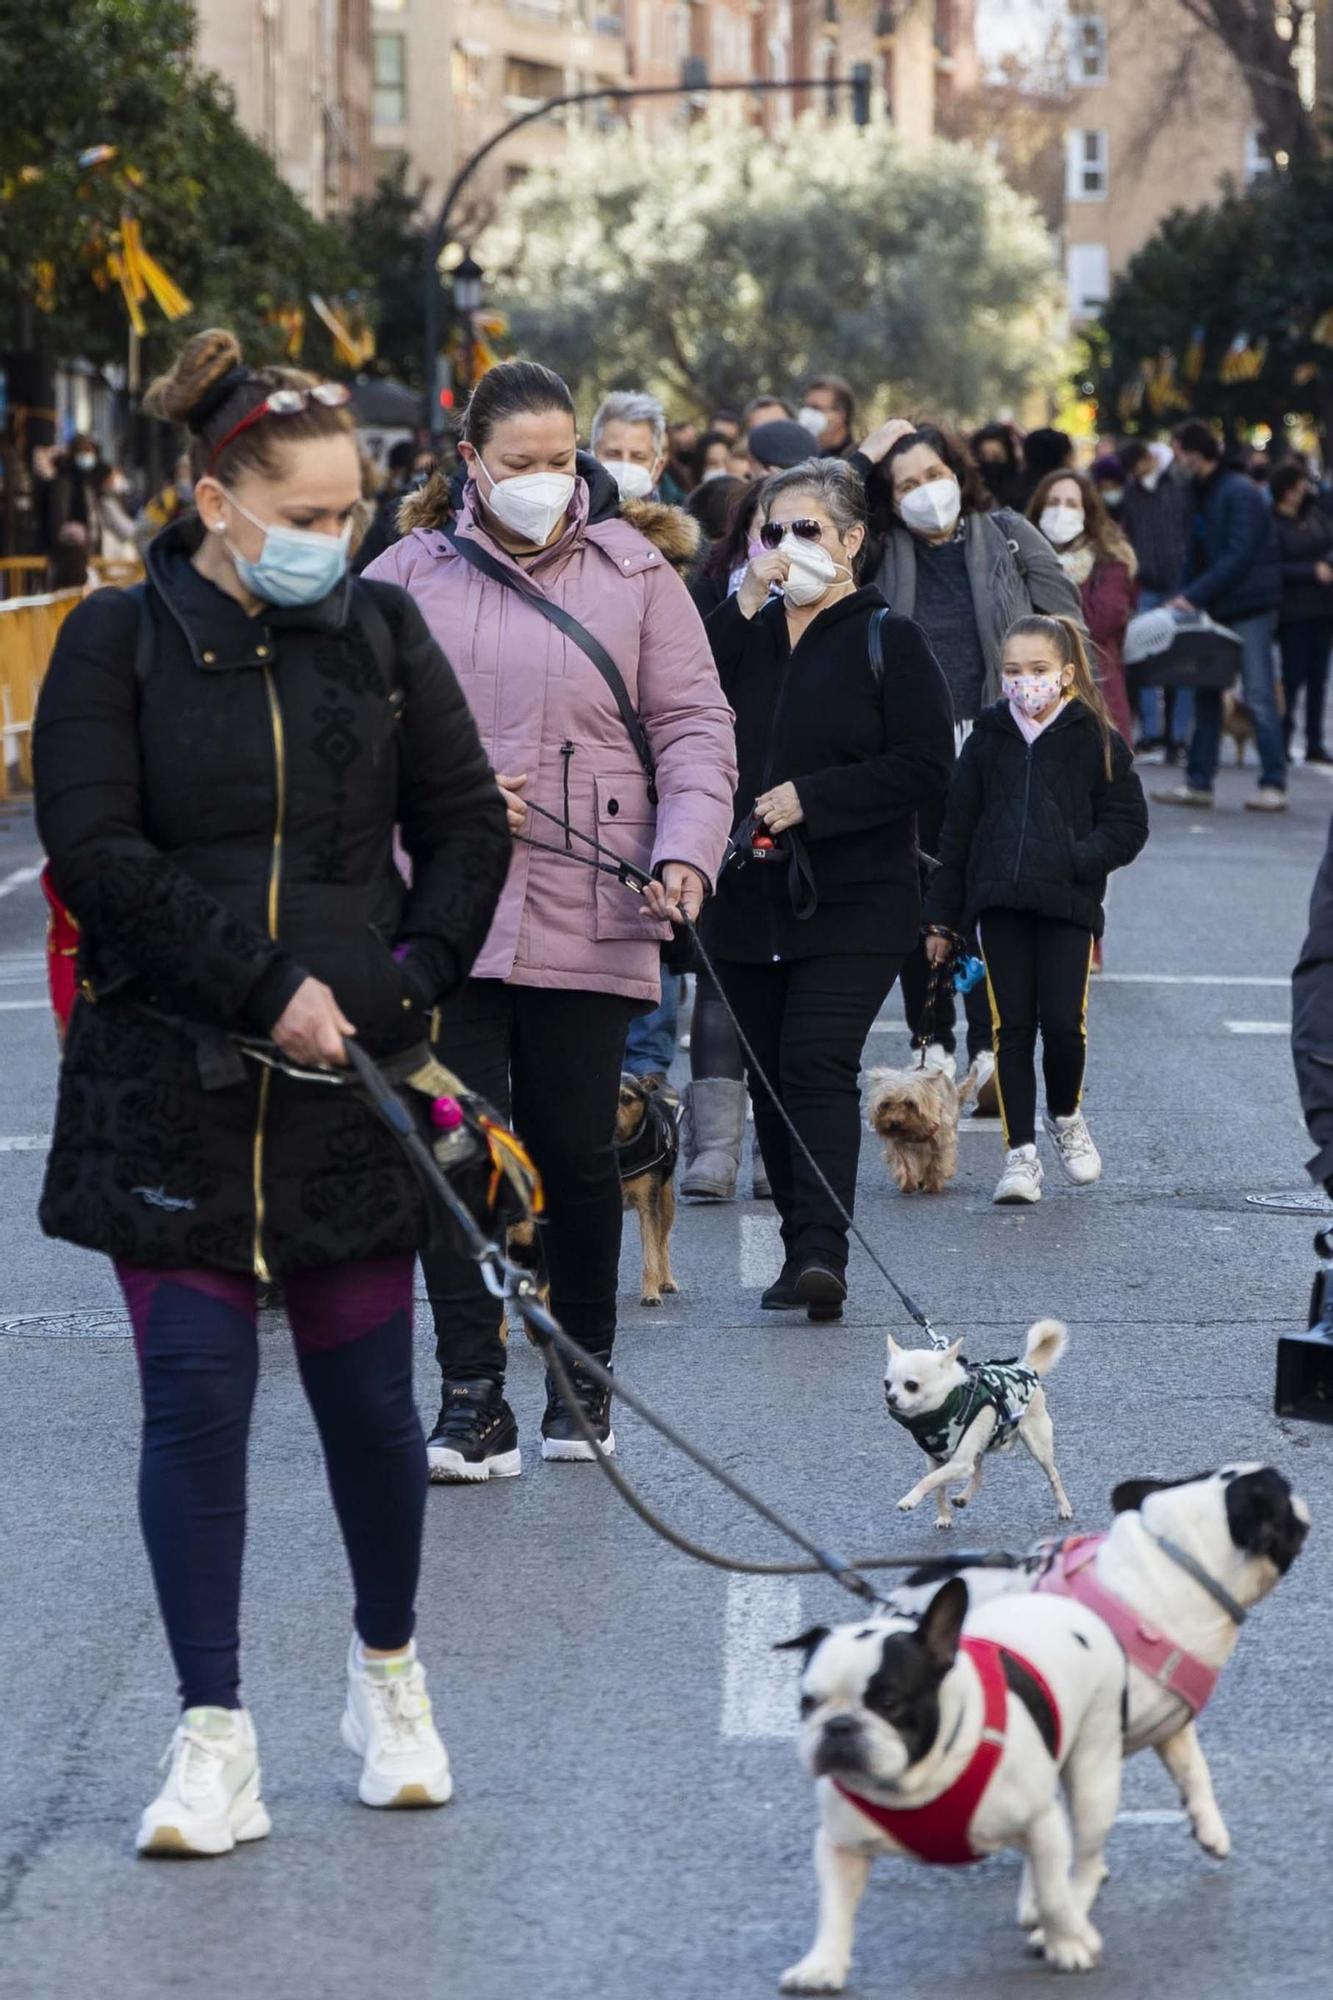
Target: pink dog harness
1071, 1574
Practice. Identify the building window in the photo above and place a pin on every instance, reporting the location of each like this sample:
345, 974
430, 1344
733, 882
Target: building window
389, 105
1257, 162
1088, 275
1087, 50
531, 82
1085, 166
467, 73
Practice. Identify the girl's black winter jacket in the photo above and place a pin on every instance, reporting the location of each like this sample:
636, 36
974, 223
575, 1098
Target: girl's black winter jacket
1036, 826
219, 813
866, 757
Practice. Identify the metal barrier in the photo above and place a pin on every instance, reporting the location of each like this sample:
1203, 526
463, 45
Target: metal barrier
28, 628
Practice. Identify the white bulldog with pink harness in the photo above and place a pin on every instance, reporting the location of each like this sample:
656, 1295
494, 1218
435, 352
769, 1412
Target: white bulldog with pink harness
1174, 1577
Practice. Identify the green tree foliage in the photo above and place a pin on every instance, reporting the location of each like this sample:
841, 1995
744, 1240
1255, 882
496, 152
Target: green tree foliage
717, 262
387, 245
215, 214
1257, 266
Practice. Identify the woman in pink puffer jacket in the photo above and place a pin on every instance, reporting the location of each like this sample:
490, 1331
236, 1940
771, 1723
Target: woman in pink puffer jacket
572, 955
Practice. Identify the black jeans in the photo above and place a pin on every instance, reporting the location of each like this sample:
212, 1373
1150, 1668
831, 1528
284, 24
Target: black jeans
915, 979
1037, 976
550, 1060
714, 1049
807, 1020
1305, 650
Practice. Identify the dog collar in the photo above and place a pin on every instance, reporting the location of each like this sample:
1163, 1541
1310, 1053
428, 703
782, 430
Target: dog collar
1217, 1591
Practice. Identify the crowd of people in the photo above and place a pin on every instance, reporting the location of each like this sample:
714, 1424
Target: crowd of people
853, 702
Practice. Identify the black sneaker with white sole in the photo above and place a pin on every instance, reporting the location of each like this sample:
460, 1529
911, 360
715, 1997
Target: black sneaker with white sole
562, 1440
475, 1437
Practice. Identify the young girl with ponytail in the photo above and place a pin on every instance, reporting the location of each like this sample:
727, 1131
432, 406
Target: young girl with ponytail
1043, 805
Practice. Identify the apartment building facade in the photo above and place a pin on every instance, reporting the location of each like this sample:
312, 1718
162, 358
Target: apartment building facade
449, 73
1159, 118
300, 71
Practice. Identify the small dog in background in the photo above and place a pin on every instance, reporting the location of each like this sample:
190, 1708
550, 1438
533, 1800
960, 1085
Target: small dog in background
647, 1148
1238, 719
958, 1410
915, 1112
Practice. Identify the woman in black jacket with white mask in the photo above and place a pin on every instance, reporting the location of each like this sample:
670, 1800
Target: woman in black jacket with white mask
836, 760
219, 770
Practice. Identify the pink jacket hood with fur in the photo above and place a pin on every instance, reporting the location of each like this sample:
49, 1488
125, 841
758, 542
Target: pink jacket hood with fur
542, 707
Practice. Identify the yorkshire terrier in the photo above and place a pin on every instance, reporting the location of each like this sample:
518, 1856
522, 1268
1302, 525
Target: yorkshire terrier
915, 1112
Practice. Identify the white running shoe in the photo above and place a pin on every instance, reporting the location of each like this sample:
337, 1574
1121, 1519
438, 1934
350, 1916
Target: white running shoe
211, 1797
387, 1722
1022, 1176
936, 1056
1073, 1144
981, 1076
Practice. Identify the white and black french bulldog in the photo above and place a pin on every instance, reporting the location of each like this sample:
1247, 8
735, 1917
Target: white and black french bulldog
948, 1742
1186, 1559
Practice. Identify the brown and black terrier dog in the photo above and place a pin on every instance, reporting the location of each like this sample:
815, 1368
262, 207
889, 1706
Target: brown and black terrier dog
647, 1147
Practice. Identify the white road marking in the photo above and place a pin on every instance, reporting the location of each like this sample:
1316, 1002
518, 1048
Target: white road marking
24, 1006
1188, 979
33, 1143
1257, 1027
760, 1251
759, 1685
1150, 1816
19, 879
888, 1027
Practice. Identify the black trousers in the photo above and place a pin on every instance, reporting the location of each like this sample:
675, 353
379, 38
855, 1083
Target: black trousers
714, 1049
550, 1061
807, 1021
1305, 649
1037, 977
915, 979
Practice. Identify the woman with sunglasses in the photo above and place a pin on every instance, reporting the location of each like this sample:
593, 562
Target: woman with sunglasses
840, 745
221, 760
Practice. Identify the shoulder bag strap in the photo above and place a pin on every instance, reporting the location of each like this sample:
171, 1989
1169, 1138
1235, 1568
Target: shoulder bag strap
877, 622
478, 559
375, 631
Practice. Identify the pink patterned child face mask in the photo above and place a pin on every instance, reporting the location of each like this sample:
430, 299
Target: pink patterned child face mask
1033, 693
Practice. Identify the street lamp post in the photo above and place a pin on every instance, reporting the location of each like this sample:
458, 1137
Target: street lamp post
467, 279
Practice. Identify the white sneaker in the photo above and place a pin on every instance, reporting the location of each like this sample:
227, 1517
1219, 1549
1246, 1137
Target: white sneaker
1074, 1148
1022, 1176
211, 1797
936, 1056
981, 1075
387, 1722
1268, 799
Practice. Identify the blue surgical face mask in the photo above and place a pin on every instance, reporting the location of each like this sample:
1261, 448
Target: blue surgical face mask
295, 566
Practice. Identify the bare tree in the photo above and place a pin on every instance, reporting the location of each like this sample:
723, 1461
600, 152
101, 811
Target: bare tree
1263, 38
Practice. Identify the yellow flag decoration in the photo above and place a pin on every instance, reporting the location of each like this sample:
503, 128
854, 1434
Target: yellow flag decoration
1322, 330
353, 340
1192, 366
1243, 360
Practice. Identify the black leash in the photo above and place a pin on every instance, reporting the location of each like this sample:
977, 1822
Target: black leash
508, 1281
633, 877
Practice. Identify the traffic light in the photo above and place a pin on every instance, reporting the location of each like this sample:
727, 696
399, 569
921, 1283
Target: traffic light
862, 78
446, 398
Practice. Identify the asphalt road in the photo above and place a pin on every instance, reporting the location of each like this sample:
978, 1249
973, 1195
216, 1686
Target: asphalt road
630, 1819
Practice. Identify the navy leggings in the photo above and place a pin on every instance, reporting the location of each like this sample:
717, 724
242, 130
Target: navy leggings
198, 1352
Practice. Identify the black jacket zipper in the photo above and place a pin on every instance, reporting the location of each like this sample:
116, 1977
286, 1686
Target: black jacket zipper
1027, 800
566, 754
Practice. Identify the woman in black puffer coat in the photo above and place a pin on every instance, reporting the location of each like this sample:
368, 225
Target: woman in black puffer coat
1044, 804
221, 759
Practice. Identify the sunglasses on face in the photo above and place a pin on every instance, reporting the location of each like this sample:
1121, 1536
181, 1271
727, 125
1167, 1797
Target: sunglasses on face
772, 532
285, 403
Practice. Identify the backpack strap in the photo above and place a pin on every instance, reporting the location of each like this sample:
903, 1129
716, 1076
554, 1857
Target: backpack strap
1011, 541
479, 559
878, 619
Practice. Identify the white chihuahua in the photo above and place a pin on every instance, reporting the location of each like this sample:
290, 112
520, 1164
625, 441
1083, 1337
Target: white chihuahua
958, 1410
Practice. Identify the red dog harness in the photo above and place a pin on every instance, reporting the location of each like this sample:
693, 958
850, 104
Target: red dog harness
1071, 1574
938, 1832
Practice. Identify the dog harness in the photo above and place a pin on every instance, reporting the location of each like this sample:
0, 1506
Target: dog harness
1006, 1387
655, 1144
1072, 1573
938, 1832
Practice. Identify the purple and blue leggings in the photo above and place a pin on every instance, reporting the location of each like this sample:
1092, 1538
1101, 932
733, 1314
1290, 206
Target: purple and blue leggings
195, 1335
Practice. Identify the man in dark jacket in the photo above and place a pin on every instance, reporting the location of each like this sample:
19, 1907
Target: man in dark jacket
1233, 572
1312, 1022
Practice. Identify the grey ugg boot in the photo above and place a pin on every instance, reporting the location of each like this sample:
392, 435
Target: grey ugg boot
712, 1130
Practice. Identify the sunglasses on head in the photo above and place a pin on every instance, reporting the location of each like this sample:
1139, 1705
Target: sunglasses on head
284, 403
772, 532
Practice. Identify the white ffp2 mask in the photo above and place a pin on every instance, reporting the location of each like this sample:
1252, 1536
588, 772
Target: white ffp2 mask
813, 571
932, 509
530, 505
1062, 525
635, 481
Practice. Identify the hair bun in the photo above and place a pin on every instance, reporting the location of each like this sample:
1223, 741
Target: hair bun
200, 367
